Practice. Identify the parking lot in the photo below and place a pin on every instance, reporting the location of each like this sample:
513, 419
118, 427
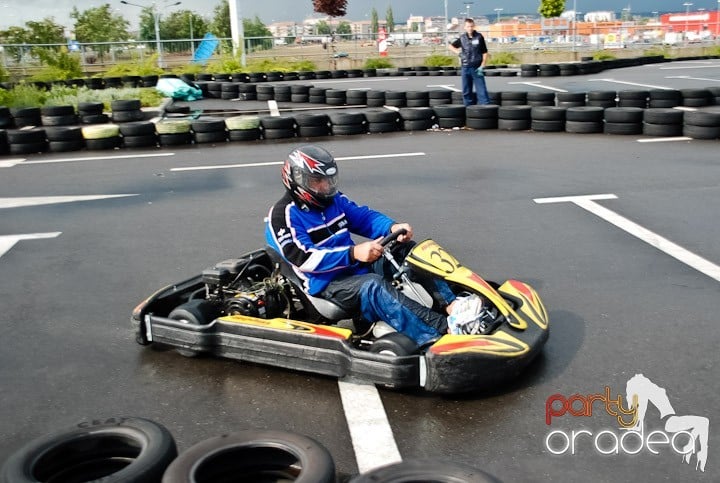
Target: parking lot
621, 300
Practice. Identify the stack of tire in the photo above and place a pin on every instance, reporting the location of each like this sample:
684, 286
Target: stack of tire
58, 116
300, 93
697, 97
126, 110
4, 146
348, 123
102, 136
138, 450
336, 97
312, 125
637, 99
549, 70
95, 83
316, 95
547, 118
274, 76
282, 93
139, 134
569, 69
207, 131
265, 92
64, 138
6, 119
174, 132
92, 113
514, 118
382, 120
417, 118
482, 117
417, 99
356, 97
243, 128
624, 120
457, 98
602, 99
439, 97
584, 119
715, 91
662, 122
338, 74
214, 89
26, 117
375, 98
27, 141
278, 127
541, 99
113, 82
131, 81
665, 98
258, 77
702, 125
149, 80
395, 98
450, 116
570, 99
229, 90
322, 74
513, 98
306, 75
529, 70
247, 92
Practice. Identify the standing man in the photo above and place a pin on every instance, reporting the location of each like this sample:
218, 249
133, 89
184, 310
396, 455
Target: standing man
473, 54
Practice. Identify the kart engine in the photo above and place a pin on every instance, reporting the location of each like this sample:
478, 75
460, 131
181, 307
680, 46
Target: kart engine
241, 287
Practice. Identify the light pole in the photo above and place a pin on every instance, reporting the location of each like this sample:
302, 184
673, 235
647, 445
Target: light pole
687, 6
467, 9
445, 30
498, 10
192, 42
156, 18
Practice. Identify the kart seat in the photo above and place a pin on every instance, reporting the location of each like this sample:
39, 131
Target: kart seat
320, 307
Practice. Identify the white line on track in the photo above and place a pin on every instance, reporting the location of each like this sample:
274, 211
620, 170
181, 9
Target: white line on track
9, 163
370, 431
538, 84
691, 78
715, 66
687, 257
9, 241
664, 140
632, 84
449, 87
95, 158
274, 163
341, 81
51, 200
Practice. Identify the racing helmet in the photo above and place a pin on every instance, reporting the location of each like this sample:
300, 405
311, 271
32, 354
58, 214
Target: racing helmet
310, 175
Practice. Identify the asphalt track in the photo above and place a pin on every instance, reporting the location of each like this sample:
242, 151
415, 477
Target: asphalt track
618, 305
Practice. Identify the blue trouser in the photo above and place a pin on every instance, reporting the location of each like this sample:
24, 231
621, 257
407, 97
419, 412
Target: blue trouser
377, 299
470, 79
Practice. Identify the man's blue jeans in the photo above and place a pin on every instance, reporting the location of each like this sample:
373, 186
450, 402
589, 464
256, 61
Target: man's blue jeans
470, 79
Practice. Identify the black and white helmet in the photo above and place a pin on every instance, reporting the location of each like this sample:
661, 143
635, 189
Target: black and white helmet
310, 174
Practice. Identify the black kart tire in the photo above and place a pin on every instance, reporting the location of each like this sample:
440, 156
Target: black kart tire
64, 146
308, 120
451, 122
585, 114
177, 139
313, 131
68, 120
111, 450
141, 141
416, 113
244, 134
548, 113
299, 98
26, 137
584, 127
377, 127
348, 129
514, 113
425, 471
395, 344
208, 126
125, 105
664, 103
141, 128
28, 148
481, 123
450, 110
211, 137
381, 116
624, 115
665, 130
104, 143
347, 118
663, 116
514, 124
691, 131
278, 133
195, 312
547, 126
25, 121
700, 118
277, 122
55, 111
417, 125
316, 99
418, 103
623, 128
127, 116
482, 111
90, 108
254, 456
95, 119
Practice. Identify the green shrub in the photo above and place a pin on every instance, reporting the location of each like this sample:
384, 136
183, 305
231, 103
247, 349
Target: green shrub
503, 58
27, 95
191, 68
439, 60
3, 74
378, 63
226, 64
603, 55
23, 95
147, 66
656, 50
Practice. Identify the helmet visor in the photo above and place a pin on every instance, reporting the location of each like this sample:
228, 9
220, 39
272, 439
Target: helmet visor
324, 186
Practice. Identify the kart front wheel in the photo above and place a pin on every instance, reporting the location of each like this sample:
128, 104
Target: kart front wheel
395, 344
195, 312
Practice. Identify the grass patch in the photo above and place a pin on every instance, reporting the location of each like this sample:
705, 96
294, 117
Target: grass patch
27, 95
378, 63
503, 58
603, 55
147, 67
438, 60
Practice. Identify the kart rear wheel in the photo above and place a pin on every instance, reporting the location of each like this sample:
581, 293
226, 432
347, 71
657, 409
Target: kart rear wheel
425, 472
395, 344
194, 312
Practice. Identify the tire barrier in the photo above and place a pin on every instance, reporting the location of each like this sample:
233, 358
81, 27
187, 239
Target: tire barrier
638, 99
113, 450
347, 123
138, 450
514, 118
126, 110
699, 125
312, 125
663, 122
547, 118
602, 99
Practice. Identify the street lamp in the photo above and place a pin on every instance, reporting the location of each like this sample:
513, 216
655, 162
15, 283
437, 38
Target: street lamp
498, 10
687, 6
156, 18
467, 9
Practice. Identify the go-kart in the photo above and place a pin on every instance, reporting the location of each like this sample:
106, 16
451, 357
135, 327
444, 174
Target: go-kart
253, 309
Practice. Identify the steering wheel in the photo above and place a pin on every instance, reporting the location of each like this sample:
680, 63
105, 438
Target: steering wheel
392, 237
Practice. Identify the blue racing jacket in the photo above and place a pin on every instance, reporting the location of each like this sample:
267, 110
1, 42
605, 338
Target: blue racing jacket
317, 243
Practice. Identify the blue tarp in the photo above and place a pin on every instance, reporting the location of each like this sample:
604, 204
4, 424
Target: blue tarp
178, 90
206, 48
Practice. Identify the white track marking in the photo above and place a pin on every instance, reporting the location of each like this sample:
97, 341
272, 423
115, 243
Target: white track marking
687, 257
449, 87
9, 163
632, 84
9, 241
274, 163
684, 108
370, 431
341, 81
691, 78
273, 107
716, 66
51, 200
96, 158
538, 84
664, 140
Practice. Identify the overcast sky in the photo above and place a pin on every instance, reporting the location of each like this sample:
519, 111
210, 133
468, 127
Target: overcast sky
17, 12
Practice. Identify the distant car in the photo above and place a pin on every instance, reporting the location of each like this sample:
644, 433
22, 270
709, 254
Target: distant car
340, 54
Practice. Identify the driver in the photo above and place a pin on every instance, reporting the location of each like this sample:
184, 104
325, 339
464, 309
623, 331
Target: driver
311, 226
